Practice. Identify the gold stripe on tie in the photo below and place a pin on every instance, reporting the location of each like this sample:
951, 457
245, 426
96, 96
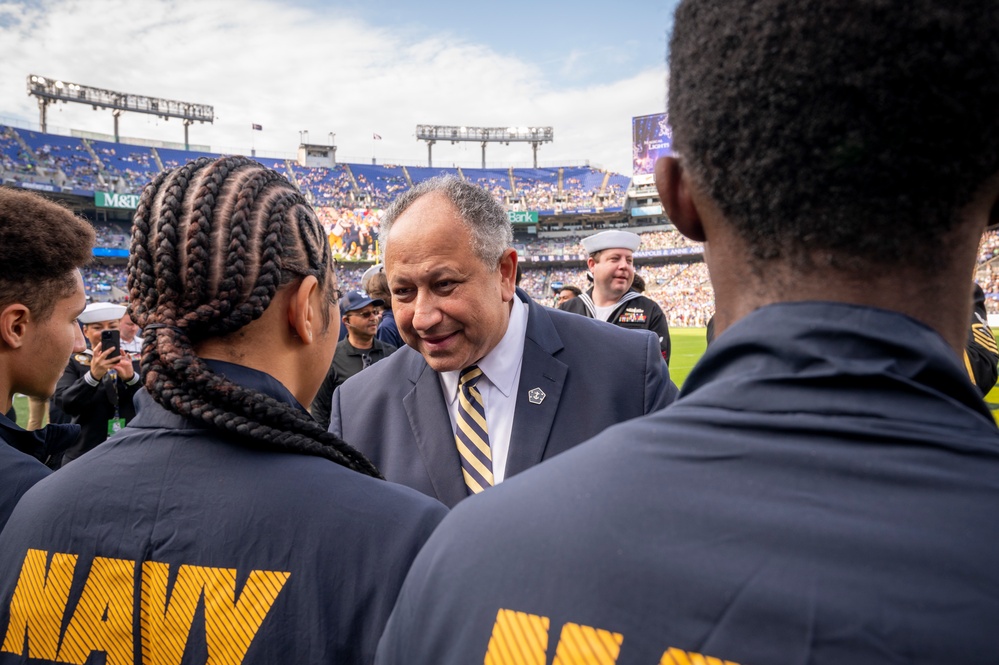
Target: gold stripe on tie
472, 434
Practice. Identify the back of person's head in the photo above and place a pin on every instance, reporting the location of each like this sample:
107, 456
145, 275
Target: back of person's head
212, 243
379, 290
488, 222
845, 133
42, 244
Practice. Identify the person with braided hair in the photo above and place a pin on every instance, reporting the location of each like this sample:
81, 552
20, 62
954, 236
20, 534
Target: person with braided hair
223, 523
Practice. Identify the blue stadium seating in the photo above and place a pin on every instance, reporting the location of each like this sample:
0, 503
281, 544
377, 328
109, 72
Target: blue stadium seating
381, 184
132, 163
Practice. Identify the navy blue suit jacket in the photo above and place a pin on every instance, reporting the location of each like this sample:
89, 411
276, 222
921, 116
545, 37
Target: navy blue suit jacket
593, 374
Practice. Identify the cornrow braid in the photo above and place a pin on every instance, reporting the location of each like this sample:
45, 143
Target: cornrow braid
212, 242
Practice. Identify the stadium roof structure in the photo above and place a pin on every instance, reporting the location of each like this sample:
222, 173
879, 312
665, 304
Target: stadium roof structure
49, 90
506, 135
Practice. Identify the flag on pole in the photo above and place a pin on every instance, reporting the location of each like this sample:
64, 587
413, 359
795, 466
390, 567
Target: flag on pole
376, 137
258, 128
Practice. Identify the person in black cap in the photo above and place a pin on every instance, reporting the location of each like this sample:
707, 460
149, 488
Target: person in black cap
359, 350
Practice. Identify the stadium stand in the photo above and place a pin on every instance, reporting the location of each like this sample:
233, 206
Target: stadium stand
171, 158
349, 197
128, 167
418, 174
377, 186
326, 187
68, 155
495, 181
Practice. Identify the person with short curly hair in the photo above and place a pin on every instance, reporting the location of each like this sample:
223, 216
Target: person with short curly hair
42, 246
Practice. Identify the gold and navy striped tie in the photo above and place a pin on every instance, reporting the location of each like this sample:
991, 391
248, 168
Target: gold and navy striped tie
471, 434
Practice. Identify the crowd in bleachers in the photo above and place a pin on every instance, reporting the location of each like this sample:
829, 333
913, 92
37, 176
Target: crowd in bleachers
683, 290
113, 236
571, 248
988, 272
68, 155
127, 168
105, 282
349, 199
378, 186
328, 187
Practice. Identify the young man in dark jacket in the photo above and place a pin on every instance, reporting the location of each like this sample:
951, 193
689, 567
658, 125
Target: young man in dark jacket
42, 246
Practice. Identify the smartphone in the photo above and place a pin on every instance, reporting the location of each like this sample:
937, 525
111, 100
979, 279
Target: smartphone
111, 338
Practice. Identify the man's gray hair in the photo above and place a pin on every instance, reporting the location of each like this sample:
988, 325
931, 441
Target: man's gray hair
488, 222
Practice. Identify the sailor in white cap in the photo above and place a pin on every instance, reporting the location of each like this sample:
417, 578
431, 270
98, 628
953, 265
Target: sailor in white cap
610, 261
97, 386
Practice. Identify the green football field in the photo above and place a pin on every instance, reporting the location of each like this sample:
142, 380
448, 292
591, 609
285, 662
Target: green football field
688, 346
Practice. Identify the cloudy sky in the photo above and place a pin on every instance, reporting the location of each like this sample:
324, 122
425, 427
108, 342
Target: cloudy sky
351, 67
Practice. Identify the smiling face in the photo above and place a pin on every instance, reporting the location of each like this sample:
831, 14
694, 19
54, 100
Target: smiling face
613, 273
448, 304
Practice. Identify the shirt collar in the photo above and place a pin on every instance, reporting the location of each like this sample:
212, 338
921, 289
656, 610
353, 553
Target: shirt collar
255, 379
792, 349
496, 365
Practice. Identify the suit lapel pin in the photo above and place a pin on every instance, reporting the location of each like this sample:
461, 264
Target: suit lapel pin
536, 395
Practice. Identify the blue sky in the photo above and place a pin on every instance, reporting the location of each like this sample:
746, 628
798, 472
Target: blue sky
351, 68
573, 43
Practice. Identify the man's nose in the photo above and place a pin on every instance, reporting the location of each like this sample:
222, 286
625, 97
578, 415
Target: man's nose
426, 313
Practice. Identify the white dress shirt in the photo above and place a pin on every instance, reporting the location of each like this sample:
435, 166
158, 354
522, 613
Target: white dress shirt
498, 385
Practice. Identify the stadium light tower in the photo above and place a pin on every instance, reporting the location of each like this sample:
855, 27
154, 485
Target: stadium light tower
50, 91
533, 135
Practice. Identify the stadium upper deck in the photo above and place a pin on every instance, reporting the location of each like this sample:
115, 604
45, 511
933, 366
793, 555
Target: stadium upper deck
81, 166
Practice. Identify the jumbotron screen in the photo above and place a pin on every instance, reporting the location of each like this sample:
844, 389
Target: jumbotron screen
652, 138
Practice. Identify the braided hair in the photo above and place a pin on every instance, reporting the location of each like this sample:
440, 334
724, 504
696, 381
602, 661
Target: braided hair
212, 242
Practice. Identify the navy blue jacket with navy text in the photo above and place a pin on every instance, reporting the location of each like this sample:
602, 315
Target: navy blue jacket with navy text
172, 544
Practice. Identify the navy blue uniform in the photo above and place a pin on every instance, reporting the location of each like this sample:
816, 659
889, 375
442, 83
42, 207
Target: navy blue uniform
173, 540
18, 470
388, 331
634, 311
824, 491
93, 406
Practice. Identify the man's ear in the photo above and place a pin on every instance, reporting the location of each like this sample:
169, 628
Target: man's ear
304, 318
674, 185
14, 320
508, 273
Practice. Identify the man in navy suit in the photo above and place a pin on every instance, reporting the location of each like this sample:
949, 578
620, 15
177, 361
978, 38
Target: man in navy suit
546, 380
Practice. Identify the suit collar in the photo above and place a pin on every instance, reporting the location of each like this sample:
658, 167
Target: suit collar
532, 422
541, 371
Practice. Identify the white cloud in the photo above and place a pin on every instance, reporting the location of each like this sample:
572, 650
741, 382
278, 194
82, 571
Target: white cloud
292, 69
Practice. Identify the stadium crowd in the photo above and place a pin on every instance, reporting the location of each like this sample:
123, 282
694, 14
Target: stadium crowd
516, 477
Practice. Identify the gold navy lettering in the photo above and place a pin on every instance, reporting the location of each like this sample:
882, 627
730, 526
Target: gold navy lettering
522, 639
102, 619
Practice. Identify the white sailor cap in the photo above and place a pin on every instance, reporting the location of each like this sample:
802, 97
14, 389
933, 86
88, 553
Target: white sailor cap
101, 311
611, 240
368, 274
